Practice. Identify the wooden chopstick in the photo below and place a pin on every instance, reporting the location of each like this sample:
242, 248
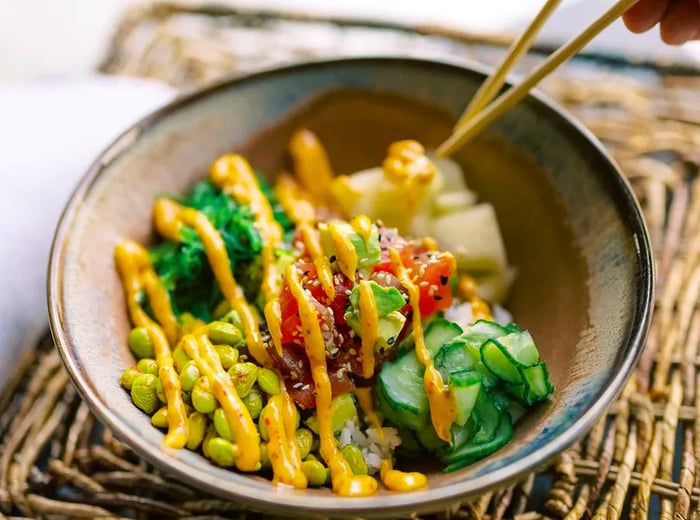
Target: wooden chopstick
515, 94
493, 84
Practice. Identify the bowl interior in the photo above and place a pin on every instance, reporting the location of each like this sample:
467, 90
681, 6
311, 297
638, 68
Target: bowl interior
569, 222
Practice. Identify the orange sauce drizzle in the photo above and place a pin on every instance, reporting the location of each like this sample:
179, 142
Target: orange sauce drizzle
169, 216
283, 449
343, 481
466, 287
442, 405
396, 480
137, 273
311, 165
199, 348
303, 214
369, 324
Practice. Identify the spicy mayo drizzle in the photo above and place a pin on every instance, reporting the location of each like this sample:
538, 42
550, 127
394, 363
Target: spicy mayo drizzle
283, 449
442, 405
466, 286
137, 274
200, 349
169, 217
369, 323
343, 480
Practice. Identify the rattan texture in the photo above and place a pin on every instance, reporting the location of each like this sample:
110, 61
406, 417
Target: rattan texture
640, 461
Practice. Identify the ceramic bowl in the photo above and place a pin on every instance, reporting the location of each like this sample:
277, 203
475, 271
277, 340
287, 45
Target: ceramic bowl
570, 223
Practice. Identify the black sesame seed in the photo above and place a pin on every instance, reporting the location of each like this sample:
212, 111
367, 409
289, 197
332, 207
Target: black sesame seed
443, 280
332, 258
390, 341
438, 297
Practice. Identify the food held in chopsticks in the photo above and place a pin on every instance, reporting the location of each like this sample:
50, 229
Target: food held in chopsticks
319, 329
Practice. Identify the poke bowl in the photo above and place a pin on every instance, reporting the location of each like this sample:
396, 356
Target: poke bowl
352, 325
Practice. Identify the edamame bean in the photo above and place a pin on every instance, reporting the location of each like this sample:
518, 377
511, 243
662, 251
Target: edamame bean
160, 392
243, 376
144, 394
221, 425
196, 428
140, 343
227, 354
189, 376
180, 358
203, 399
304, 439
226, 333
222, 452
221, 310
315, 472
160, 418
262, 427
211, 433
354, 456
148, 366
234, 319
264, 456
129, 376
268, 381
254, 402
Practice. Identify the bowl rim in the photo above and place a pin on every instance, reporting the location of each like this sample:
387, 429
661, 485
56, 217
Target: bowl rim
429, 499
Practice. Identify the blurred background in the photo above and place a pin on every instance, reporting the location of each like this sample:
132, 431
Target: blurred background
40, 38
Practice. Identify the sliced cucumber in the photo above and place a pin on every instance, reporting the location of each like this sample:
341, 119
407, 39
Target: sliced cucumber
487, 416
440, 332
499, 361
455, 357
521, 347
536, 386
429, 439
402, 398
465, 386
487, 329
471, 452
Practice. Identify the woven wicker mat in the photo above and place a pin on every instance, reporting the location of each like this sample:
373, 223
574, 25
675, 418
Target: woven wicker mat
640, 461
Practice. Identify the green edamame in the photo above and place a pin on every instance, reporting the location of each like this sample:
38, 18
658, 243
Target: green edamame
354, 456
180, 358
129, 376
304, 439
160, 392
144, 393
221, 332
315, 472
196, 429
234, 319
140, 343
209, 435
243, 376
261, 425
268, 381
203, 399
221, 425
160, 418
148, 366
254, 402
264, 456
222, 452
189, 375
221, 310
227, 354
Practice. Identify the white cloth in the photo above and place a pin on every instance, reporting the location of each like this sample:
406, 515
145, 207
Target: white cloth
49, 134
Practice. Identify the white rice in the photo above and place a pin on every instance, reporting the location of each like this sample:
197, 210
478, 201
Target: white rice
461, 314
372, 443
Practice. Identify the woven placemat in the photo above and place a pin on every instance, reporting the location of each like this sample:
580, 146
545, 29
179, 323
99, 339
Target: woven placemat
640, 461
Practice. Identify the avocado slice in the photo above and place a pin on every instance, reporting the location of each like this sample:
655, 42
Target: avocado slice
368, 252
389, 301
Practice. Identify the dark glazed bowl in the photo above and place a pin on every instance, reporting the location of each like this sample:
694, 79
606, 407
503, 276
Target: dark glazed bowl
569, 220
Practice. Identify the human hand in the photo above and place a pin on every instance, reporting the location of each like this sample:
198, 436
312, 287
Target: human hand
679, 20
